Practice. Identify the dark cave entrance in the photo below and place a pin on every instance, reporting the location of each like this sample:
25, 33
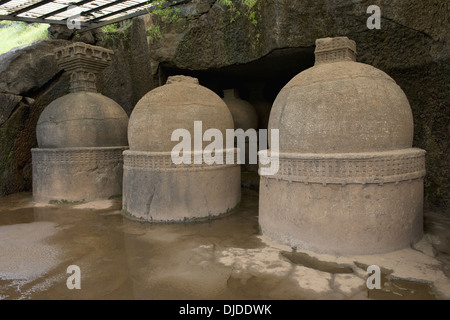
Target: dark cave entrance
258, 82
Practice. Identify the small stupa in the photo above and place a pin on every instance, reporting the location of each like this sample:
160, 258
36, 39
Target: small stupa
245, 118
81, 136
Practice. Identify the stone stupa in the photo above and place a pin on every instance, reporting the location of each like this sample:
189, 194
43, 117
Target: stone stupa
156, 189
349, 181
81, 136
245, 118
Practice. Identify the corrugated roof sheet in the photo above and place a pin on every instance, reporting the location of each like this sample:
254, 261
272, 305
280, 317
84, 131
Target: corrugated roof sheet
90, 13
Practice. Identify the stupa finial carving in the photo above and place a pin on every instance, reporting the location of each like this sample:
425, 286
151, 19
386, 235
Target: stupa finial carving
83, 62
335, 49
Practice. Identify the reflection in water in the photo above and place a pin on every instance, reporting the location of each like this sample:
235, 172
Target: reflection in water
124, 259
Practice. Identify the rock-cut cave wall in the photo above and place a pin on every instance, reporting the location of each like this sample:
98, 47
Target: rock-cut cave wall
257, 54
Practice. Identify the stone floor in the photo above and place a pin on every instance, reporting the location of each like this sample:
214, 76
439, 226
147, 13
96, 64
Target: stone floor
221, 259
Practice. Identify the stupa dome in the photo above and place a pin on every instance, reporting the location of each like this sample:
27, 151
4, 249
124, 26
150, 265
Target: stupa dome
82, 119
340, 105
244, 114
160, 190
176, 105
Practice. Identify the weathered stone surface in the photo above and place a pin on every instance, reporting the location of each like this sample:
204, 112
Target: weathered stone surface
7, 104
81, 136
160, 194
214, 39
82, 119
379, 220
61, 32
412, 47
87, 37
426, 89
31, 73
348, 181
18, 137
176, 105
130, 75
365, 111
157, 189
245, 118
77, 174
28, 69
244, 114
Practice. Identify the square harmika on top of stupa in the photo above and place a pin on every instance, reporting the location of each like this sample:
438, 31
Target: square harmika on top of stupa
335, 49
83, 62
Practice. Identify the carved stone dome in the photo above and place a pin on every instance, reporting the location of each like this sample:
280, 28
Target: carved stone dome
158, 189
82, 135
176, 105
346, 179
82, 119
244, 114
340, 105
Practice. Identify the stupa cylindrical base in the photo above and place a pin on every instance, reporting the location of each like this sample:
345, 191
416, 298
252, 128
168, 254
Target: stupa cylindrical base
156, 190
77, 174
345, 204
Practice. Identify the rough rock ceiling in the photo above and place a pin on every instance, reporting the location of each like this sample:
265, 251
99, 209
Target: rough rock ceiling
89, 13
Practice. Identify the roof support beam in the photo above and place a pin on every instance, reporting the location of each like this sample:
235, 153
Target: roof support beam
36, 5
120, 11
93, 22
84, 13
54, 13
38, 20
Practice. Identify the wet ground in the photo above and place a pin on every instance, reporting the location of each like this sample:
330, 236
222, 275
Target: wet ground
222, 259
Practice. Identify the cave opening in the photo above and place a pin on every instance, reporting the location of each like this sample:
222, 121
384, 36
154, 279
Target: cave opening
258, 82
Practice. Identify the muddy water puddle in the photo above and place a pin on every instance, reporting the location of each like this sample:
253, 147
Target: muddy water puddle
123, 259
118, 258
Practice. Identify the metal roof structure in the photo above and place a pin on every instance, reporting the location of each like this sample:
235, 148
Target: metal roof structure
90, 14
